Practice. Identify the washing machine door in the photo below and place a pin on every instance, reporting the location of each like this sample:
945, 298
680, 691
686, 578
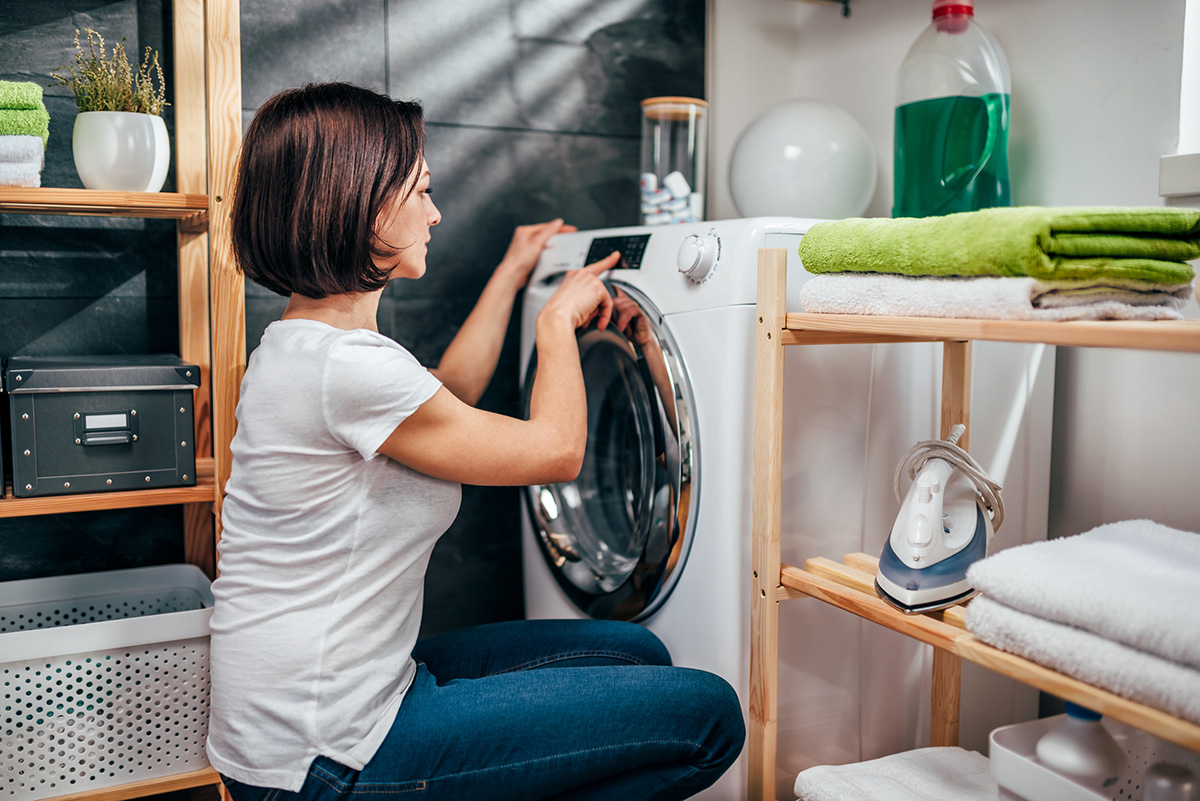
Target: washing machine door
617, 537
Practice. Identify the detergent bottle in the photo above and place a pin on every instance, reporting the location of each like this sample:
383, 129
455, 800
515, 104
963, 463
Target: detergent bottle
952, 99
1080, 747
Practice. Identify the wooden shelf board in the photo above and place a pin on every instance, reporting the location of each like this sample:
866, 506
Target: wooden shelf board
89, 202
1171, 335
203, 492
858, 571
164, 784
956, 640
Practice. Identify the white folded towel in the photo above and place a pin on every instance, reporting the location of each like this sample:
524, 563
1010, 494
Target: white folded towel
1125, 671
18, 147
20, 173
926, 774
1010, 298
1136, 582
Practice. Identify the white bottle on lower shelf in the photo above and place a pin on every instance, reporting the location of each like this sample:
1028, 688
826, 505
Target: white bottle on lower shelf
1167, 782
1082, 748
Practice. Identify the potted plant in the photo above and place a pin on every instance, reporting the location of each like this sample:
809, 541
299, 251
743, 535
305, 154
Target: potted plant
120, 141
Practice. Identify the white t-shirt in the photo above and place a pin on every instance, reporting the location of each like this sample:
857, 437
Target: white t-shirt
323, 555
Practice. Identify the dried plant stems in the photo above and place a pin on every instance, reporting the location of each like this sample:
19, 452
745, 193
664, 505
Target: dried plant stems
101, 83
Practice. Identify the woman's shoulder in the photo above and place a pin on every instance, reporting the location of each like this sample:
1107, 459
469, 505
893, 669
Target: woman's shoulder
361, 357
302, 350
317, 338
363, 343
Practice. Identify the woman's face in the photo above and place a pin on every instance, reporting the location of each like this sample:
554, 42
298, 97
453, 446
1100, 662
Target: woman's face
404, 227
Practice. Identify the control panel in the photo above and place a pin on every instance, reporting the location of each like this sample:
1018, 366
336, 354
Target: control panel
632, 247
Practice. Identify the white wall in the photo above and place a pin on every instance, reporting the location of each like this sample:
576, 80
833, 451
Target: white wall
1095, 103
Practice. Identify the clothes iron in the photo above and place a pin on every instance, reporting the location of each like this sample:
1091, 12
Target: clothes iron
946, 520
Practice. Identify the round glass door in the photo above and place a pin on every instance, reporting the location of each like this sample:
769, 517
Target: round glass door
617, 537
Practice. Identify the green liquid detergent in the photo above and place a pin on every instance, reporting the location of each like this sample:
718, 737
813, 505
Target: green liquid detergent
951, 154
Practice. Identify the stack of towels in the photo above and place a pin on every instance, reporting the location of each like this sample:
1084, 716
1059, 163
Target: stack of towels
925, 774
1117, 607
1023, 263
24, 131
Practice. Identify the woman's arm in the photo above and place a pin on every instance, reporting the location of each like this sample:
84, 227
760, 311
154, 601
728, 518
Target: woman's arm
469, 362
446, 438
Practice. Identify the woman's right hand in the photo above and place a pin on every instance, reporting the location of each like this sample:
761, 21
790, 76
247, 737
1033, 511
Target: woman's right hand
582, 296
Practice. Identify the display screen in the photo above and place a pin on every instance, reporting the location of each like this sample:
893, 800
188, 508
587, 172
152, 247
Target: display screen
632, 248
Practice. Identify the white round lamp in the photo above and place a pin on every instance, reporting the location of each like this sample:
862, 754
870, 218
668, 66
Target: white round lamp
803, 158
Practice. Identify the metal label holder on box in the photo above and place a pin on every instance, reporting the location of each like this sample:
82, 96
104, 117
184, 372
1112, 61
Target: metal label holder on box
100, 423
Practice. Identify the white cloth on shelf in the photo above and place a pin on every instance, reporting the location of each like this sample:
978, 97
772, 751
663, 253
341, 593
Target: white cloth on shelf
926, 774
1008, 298
19, 147
20, 173
1125, 671
1134, 582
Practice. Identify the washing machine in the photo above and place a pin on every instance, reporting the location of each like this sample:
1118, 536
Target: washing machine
656, 528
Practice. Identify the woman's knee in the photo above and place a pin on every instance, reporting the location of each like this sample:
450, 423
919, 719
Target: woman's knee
721, 712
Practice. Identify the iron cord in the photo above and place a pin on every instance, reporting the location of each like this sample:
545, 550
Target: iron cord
946, 449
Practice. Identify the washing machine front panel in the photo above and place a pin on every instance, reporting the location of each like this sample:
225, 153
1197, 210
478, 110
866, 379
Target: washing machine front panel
682, 268
617, 538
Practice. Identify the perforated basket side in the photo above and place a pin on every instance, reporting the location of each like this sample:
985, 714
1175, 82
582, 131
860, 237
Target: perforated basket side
74, 614
51, 614
101, 719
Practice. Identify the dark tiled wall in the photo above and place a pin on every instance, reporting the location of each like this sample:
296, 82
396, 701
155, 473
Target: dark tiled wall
533, 113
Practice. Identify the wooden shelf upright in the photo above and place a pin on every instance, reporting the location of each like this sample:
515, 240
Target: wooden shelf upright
208, 129
849, 584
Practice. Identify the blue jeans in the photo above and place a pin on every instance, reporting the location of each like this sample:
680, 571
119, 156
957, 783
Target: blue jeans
542, 709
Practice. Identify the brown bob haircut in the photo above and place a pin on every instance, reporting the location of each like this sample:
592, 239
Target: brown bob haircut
317, 166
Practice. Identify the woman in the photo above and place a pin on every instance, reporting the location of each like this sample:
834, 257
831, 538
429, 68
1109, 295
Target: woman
346, 469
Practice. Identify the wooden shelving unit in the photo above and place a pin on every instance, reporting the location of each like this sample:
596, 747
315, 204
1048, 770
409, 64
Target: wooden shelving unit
208, 129
849, 584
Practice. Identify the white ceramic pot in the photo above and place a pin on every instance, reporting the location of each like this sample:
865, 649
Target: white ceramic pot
121, 150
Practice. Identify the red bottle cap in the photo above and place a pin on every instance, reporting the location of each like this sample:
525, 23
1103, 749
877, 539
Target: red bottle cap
951, 15
942, 8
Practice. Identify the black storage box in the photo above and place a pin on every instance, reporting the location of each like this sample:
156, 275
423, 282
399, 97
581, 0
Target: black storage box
100, 423
3, 453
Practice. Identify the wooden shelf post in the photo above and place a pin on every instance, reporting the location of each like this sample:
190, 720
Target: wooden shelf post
191, 177
223, 71
947, 667
767, 506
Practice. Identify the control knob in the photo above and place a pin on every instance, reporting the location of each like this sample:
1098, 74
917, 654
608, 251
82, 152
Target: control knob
697, 256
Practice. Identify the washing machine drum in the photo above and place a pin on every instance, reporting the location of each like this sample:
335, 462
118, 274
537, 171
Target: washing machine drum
617, 537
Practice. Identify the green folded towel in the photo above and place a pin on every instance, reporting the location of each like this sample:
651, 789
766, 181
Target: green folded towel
21, 94
1143, 244
25, 122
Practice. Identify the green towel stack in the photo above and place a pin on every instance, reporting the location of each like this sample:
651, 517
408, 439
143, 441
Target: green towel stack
22, 112
1064, 244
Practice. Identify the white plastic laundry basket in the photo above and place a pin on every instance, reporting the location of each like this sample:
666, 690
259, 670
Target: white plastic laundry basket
104, 679
1021, 777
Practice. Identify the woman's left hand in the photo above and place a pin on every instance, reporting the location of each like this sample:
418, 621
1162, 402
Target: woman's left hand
526, 248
